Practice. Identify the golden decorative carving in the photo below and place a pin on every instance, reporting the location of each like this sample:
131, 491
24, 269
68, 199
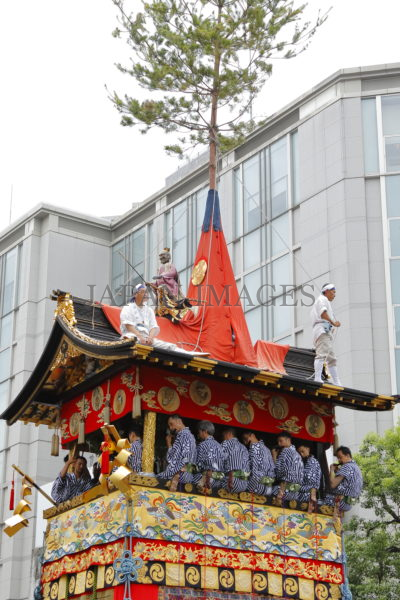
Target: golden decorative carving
168, 399
119, 402
315, 426
220, 411
149, 438
65, 309
199, 272
97, 398
142, 480
278, 407
243, 412
199, 392
260, 582
290, 425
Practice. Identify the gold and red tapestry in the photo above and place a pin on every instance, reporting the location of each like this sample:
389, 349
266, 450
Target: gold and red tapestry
198, 397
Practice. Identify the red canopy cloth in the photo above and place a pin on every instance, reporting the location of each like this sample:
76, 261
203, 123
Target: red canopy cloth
219, 327
270, 356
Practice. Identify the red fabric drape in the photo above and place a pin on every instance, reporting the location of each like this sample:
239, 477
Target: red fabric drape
270, 356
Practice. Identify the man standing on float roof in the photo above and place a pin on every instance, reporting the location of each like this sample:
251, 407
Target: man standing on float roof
323, 321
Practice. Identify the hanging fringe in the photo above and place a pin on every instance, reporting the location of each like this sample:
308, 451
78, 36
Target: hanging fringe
136, 404
81, 434
12, 493
55, 444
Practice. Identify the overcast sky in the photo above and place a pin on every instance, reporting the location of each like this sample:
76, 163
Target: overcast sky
60, 138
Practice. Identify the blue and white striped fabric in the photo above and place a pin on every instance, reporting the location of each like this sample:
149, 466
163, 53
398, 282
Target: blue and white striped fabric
236, 458
261, 465
64, 489
311, 478
289, 466
210, 458
351, 486
182, 452
135, 460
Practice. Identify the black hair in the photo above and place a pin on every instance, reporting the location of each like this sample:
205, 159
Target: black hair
284, 434
135, 429
344, 450
231, 430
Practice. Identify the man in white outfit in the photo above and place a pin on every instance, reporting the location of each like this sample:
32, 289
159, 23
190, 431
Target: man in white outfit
138, 321
323, 321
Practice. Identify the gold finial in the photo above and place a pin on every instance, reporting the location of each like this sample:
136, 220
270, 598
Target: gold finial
65, 307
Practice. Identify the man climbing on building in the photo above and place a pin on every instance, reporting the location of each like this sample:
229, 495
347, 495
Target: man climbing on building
323, 322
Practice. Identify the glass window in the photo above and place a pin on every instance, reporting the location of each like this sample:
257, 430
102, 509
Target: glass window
393, 195
282, 318
5, 364
251, 193
118, 272
295, 168
6, 331
395, 279
281, 274
392, 153
237, 184
279, 199
370, 136
151, 252
397, 324
391, 114
252, 249
394, 233
179, 244
254, 323
280, 234
168, 230
252, 281
10, 274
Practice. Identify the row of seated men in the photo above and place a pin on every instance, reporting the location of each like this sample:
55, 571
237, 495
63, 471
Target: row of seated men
286, 473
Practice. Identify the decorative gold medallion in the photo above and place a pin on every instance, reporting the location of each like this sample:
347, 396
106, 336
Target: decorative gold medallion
71, 585
193, 575
157, 572
315, 426
243, 412
199, 272
97, 398
199, 392
109, 575
291, 586
260, 582
74, 424
119, 402
278, 407
321, 591
89, 578
168, 399
54, 590
226, 579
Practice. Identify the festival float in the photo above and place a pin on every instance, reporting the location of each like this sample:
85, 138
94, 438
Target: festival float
130, 537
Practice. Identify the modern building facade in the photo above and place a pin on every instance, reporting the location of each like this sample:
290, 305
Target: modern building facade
312, 196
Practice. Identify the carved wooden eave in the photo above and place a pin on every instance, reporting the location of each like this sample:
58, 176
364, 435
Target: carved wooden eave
82, 335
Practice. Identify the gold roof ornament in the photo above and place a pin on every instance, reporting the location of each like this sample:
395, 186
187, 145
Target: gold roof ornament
65, 307
199, 272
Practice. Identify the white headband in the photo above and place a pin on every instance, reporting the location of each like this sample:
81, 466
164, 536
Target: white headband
328, 286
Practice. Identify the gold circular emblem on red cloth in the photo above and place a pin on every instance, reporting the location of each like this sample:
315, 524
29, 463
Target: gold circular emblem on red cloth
199, 272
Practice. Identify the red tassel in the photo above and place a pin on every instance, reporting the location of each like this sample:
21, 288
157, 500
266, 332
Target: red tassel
12, 493
105, 458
